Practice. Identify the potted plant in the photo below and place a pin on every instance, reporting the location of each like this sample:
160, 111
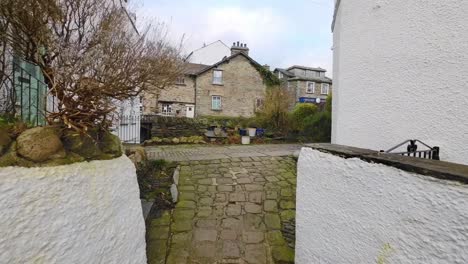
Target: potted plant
252, 128
245, 140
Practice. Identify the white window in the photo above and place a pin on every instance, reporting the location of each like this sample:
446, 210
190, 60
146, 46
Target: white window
325, 87
217, 77
216, 102
259, 104
166, 109
280, 75
310, 87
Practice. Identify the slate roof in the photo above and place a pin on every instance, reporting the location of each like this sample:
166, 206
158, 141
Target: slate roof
285, 72
194, 68
312, 79
226, 59
306, 68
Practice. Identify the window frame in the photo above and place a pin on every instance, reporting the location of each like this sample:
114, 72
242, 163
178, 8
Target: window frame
169, 107
220, 105
328, 88
221, 78
177, 82
259, 103
313, 87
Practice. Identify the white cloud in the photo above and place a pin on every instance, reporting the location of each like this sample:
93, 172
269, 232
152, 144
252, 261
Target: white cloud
274, 35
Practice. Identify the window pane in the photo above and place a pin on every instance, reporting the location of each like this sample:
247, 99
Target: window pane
216, 102
218, 77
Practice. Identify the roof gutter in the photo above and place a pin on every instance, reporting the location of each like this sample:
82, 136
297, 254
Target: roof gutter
337, 6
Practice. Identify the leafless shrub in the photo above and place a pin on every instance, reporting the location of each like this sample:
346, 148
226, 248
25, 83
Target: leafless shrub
89, 53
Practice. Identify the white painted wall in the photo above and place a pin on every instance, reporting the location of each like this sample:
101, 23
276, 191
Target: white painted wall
210, 54
400, 72
86, 212
351, 211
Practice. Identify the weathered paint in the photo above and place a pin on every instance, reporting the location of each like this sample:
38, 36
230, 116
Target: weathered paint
400, 73
351, 211
86, 212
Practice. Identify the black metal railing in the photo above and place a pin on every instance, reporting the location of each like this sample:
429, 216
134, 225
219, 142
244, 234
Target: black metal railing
412, 150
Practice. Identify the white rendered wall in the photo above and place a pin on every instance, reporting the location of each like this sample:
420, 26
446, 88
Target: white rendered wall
351, 211
400, 72
80, 213
210, 54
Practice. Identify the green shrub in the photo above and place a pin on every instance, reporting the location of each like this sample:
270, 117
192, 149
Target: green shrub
300, 113
317, 128
275, 113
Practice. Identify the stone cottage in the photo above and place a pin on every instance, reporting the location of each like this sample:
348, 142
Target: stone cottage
305, 84
231, 87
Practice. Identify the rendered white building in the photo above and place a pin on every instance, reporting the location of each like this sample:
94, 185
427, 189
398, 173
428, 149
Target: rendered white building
209, 54
401, 72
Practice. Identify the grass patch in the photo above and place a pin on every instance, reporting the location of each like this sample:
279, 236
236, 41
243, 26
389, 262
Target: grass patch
155, 180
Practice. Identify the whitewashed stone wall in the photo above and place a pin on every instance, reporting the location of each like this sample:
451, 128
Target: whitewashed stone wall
86, 212
400, 72
351, 211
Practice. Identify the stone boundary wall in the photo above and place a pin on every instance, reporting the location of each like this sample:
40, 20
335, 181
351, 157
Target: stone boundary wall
167, 127
86, 212
359, 206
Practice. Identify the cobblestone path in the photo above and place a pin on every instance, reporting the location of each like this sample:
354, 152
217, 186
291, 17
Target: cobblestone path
232, 210
210, 152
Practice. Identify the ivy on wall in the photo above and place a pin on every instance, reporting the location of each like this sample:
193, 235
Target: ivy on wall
268, 77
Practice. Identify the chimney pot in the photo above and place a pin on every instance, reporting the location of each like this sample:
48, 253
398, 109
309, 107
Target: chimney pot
239, 47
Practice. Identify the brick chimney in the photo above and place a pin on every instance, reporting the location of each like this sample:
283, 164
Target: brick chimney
239, 47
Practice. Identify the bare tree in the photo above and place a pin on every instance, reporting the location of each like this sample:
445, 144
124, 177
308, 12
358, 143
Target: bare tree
89, 53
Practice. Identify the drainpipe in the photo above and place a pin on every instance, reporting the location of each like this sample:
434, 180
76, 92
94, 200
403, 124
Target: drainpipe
195, 108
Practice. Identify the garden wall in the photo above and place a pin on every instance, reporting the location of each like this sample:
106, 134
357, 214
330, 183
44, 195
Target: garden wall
351, 208
87, 212
167, 127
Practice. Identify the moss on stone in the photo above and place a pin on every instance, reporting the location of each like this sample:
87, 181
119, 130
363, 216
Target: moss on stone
283, 254
275, 238
83, 145
110, 144
11, 158
70, 158
163, 220
158, 232
287, 215
5, 140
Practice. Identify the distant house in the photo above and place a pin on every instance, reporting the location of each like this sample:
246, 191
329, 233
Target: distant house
178, 99
232, 86
209, 54
305, 84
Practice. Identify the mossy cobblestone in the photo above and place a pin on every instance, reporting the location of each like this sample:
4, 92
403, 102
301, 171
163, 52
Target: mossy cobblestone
227, 214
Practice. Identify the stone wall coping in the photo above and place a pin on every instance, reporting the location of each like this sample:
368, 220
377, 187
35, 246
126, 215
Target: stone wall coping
433, 168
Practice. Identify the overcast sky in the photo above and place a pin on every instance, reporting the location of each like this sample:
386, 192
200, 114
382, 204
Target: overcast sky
278, 33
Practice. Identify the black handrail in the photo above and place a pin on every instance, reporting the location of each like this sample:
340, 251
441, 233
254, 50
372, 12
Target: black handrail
412, 150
